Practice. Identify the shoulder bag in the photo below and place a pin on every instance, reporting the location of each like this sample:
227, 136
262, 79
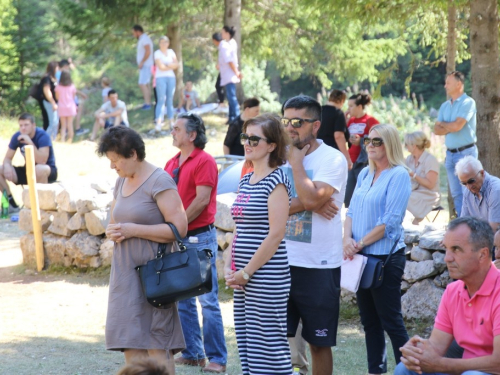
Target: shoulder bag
176, 276
373, 274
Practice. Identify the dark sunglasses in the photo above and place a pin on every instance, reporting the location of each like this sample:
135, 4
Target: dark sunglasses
253, 140
470, 181
295, 122
376, 142
175, 172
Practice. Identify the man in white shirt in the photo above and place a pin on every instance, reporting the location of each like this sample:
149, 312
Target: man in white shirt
314, 230
144, 62
111, 113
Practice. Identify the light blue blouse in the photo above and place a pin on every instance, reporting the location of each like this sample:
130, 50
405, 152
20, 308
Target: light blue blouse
384, 202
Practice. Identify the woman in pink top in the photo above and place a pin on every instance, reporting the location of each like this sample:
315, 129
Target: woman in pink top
65, 94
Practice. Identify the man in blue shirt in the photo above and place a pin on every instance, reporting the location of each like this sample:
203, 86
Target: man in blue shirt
45, 168
482, 196
457, 122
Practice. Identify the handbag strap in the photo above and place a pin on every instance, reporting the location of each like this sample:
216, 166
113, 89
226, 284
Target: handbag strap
163, 246
392, 250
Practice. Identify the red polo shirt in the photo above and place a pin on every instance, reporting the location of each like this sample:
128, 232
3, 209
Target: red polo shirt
199, 169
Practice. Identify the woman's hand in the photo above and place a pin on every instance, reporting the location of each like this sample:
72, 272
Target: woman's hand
54, 106
235, 280
350, 248
355, 139
119, 232
411, 173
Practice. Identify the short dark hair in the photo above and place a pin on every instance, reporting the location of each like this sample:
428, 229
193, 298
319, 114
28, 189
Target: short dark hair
250, 103
194, 123
63, 63
122, 141
275, 133
361, 99
337, 96
230, 29
459, 76
111, 92
304, 101
27, 116
481, 234
138, 28
217, 37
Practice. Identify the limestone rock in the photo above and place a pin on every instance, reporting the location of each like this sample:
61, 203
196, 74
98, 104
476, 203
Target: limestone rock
103, 187
66, 199
55, 250
221, 239
60, 224
47, 194
28, 250
219, 262
415, 271
223, 217
347, 296
419, 255
106, 252
77, 222
412, 234
97, 202
421, 301
443, 280
97, 221
432, 240
84, 250
405, 285
229, 239
439, 262
26, 222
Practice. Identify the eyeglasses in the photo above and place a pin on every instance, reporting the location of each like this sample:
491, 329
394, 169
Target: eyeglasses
295, 122
175, 172
253, 140
470, 181
376, 142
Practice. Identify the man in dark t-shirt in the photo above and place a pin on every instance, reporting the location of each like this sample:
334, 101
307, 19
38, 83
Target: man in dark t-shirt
45, 162
232, 143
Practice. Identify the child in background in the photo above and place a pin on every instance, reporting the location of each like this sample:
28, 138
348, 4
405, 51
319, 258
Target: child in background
65, 95
106, 87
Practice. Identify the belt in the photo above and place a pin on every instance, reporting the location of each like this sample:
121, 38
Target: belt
196, 231
453, 150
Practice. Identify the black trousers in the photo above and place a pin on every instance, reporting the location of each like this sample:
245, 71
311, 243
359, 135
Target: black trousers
45, 116
352, 179
380, 310
220, 90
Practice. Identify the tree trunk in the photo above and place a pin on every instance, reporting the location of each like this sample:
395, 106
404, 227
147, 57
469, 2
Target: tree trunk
485, 71
174, 34
451, 53
232, 17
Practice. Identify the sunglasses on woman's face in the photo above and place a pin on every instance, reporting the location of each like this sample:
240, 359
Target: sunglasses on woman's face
253, 140
295, 122
376, 142
470, 181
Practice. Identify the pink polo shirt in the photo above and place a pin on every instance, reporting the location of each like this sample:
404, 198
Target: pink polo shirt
473, 322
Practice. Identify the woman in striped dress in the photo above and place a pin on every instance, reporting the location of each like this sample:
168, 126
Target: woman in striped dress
258, 267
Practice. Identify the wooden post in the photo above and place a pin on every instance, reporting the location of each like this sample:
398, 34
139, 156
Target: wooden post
35, 207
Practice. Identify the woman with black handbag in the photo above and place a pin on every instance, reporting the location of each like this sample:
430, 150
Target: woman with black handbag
373, 227
145, 198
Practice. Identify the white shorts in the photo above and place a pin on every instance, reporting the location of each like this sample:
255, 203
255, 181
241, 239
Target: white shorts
144, 75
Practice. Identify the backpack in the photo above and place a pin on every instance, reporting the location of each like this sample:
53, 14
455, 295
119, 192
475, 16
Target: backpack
35, 91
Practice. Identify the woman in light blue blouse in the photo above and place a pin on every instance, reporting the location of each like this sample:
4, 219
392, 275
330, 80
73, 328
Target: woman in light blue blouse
372, 227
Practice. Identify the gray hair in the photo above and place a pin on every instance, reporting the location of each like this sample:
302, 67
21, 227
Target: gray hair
194, 123
468, 162
165, 38
481, 234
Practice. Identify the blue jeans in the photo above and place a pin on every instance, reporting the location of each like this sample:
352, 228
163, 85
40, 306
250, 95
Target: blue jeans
456, 187
234, 107
165, 89
213, 329
53, 127
402, 370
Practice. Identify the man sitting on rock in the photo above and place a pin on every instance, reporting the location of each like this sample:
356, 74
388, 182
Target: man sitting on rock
112, 113
469, 310
45, 162
482, 196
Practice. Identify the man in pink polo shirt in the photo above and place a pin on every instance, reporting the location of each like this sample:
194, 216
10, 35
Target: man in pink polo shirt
469, 310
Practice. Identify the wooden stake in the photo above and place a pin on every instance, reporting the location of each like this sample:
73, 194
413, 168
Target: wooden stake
35, 207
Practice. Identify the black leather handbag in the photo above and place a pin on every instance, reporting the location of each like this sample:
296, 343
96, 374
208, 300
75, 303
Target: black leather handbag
176, 276
373, 274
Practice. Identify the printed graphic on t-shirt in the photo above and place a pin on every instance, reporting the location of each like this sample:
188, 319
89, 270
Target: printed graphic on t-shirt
299, 225
357, 128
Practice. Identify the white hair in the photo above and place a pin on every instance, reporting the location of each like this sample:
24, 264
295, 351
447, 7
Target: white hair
469, 163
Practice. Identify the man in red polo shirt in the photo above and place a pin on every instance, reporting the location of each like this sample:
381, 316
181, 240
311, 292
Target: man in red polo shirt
195, 173
469, 310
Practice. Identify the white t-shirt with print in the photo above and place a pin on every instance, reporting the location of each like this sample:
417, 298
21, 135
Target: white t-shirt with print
311, 240
143, 41
165, 58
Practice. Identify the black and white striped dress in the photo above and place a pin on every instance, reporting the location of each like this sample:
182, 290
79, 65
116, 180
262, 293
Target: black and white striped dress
260, 310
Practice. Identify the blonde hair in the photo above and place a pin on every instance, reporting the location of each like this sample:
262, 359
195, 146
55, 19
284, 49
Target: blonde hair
393, 148
418, 139
165, 38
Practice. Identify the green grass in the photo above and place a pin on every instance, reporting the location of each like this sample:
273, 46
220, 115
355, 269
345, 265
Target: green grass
8, 126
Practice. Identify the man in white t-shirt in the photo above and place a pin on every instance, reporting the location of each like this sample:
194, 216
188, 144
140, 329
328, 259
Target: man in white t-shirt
318, 174
144, 62
111, 113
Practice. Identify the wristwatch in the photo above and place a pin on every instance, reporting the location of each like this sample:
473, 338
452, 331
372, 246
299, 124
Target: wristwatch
245, 275
361, 243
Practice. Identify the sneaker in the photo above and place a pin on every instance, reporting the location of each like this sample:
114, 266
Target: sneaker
81, 131
13, 210
146, 106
